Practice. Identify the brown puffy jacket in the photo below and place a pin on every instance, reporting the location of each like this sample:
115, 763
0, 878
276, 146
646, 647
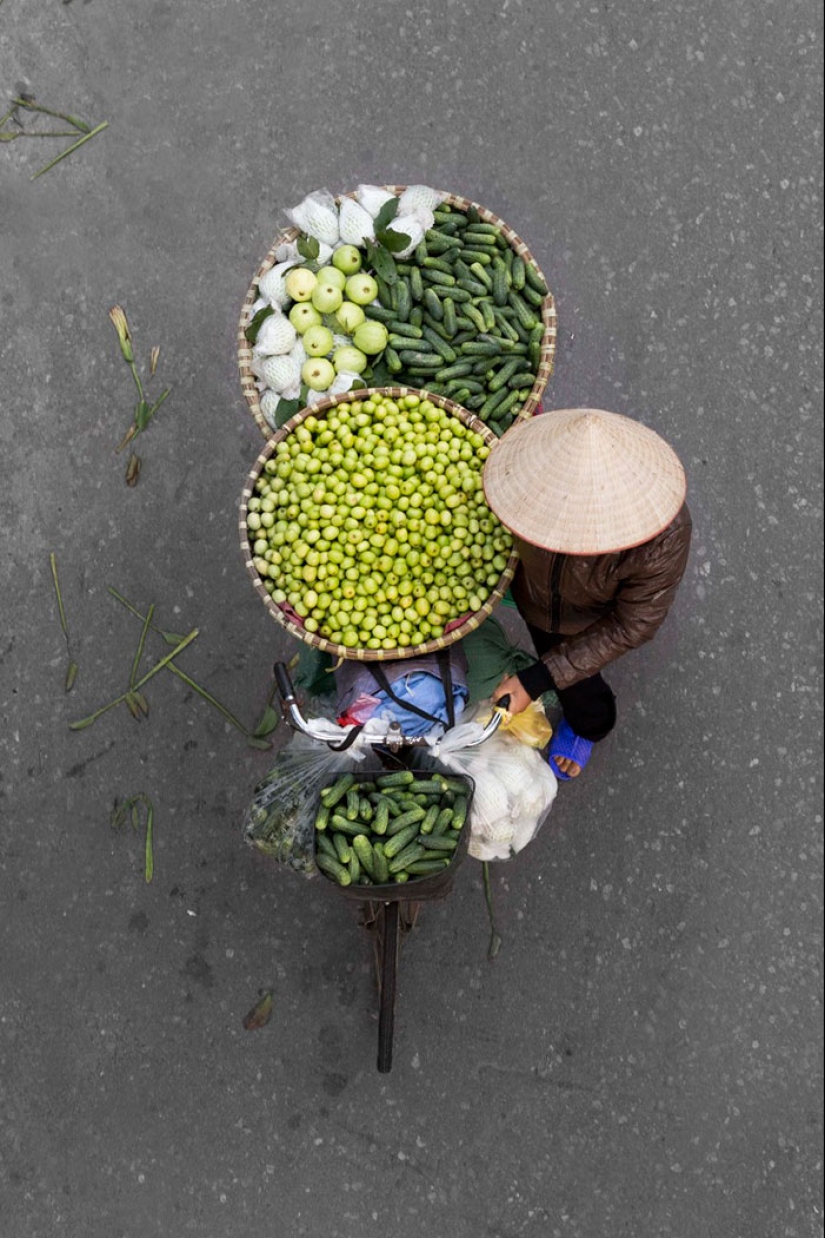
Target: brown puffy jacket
603, 605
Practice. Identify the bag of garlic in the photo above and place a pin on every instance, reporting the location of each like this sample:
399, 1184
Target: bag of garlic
514, 786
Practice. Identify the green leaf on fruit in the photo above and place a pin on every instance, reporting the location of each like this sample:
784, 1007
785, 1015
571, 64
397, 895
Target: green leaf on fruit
285, 410
251, 332
381, 376
308, 247
393, 241
382, 262
387, 213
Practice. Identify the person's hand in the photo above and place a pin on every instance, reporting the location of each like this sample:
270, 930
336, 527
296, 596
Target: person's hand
512, 687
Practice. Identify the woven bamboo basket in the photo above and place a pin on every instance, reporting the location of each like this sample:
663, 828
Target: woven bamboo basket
290, 622
548, 313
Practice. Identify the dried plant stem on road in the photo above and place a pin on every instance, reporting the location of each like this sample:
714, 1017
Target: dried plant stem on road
84, 722
71, 673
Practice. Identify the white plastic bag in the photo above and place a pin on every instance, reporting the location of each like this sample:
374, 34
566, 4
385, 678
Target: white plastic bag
514, 787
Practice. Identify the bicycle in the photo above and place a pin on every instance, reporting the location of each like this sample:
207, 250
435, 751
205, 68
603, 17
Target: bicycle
393, 914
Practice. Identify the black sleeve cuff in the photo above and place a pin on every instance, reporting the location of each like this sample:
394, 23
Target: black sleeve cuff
536, 680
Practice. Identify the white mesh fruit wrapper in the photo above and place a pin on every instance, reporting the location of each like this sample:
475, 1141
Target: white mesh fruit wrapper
355, 224
372, 198
420, 197
317, 216
275, 336
269, 407
279, 373
409, 226
271, 284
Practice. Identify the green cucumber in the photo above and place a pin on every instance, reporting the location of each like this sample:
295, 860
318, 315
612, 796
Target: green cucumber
476, 255
512, 366
499, 283
443, 821
534, 298
481, 274
432, 305
322, 817
354, 868
345, 826
394, 363
404, 328
437, 264
382, 817
450, 318
439, 345
382, 872
333, 869
403, 300
379, 313
407, 819
353, 804
526, 316
342, 848
424, 361
407, 856
426, 868
524, 379
416, 284
473, 238
399, 841
438, 277
459, 370
324, 843
459, 813
331, 795
518, 273
438, 842
362, 848
488, 313
534, 280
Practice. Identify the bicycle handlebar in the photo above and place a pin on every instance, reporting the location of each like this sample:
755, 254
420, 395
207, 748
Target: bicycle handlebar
394, 738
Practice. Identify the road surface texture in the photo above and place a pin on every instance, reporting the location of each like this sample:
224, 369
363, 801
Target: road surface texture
643, 1057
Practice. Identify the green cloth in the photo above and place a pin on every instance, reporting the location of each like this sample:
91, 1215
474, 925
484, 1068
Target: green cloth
490, 658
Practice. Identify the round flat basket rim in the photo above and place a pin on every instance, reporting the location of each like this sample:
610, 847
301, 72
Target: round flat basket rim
548, 311
357, 654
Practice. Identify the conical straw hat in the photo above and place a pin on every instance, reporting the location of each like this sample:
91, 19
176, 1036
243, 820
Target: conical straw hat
583, 481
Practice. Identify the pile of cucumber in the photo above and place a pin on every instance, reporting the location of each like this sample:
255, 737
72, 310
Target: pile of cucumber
389, 828
464, 318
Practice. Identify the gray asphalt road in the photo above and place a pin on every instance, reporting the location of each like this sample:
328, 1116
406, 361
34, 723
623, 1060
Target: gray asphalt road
644, 1055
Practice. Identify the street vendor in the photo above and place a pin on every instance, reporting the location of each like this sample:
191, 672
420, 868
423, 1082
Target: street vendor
596, 504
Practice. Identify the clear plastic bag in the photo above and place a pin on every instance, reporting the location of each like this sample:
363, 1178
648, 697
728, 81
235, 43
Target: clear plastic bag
280, 819
514, 786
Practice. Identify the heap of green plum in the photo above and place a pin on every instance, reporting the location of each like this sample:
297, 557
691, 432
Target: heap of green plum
369, 522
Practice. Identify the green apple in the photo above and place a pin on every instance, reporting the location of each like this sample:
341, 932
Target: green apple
348, 315
300, 283
331, 275
304, 315
318, 373
361, 288
370, 337
326, 298
318, 341
349, 359
347, 259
